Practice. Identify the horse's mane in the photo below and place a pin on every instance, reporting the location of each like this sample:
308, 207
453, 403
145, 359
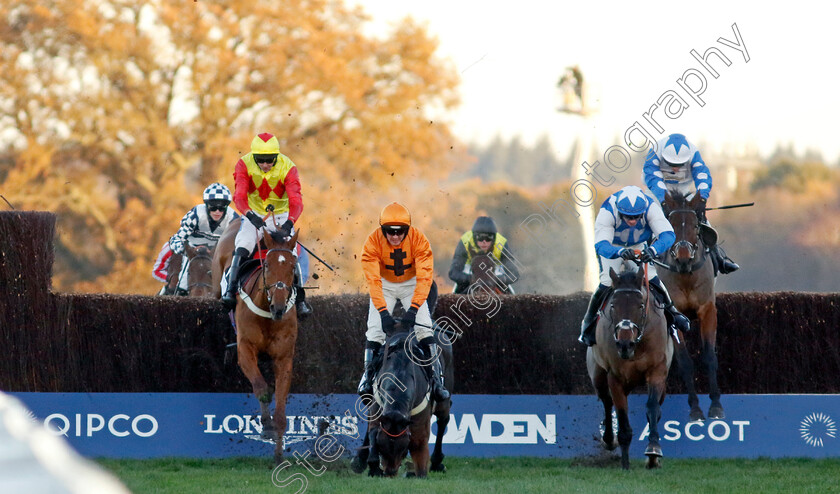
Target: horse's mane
627, 279
398, 362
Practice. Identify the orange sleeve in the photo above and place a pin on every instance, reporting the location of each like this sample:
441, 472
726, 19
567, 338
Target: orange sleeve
370, 265
424, 266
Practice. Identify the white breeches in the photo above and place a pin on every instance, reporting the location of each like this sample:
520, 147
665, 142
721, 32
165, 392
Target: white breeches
403, 292
617, 263
247, 235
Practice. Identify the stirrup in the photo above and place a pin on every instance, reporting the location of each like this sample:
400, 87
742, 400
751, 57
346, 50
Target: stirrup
304, 310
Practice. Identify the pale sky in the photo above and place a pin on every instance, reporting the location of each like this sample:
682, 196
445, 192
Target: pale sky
510, 55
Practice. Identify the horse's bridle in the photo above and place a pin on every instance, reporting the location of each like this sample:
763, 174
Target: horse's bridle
269, 289
692, 248
202, 254
626, 324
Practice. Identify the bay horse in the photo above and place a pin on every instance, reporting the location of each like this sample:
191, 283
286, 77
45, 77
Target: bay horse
633, 348
689, 276
266, 323
199, 272
172, 272
399, 418
483, 271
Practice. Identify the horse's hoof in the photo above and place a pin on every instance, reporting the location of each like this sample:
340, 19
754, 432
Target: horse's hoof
375, 471
653, 451
410, 475
653, 462
716, 413
270, 435
696, 415
440, 467
610, 446
357, 465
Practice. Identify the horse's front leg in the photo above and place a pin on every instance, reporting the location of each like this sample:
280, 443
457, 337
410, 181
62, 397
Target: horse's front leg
625, 432
374, 468
708, 333
359, 462
442, 414
685, 365
247, 356
419, 449
656, 394
603, 391
282, 383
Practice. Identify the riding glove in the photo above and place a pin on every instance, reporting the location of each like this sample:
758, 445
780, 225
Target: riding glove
286, 228
387, 321
627, 254
647, 255
409, 318
255, 219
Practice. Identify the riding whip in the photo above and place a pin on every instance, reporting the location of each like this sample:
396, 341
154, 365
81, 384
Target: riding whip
733, 206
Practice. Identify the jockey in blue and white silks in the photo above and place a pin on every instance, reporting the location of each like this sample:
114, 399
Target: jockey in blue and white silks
675, 165
630, 221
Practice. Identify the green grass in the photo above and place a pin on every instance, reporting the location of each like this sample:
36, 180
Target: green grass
484, 476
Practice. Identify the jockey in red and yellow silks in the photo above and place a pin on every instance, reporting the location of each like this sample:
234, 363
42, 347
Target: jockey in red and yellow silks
398, 264
262, 178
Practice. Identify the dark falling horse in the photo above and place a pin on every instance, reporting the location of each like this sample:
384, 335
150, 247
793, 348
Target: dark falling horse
266, 323
689, 275
483, 273
400, 414
199, 271
633, 349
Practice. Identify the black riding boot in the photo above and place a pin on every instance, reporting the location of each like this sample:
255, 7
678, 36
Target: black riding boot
229, 297
304, 310
588, 325
724, 263
434, 369
674, 317
166, 290
373, 354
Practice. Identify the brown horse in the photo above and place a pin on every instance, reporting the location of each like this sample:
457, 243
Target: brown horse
688, 273
400, 415
266, 323
633, 348
172, 272
483, 274
199, 272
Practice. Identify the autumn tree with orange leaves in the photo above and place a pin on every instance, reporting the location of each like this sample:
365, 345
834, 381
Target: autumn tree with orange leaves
116, 114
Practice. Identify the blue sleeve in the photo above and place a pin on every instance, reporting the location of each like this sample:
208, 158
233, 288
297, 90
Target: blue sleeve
664, 242
608, 250
702, 176
653, 176
189, 223
303, 261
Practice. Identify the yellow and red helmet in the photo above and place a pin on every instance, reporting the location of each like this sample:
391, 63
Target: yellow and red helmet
395, 214
265, 143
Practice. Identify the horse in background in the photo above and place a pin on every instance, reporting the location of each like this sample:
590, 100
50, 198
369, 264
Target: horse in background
199, 270
633, 348
266, 322
689, 276
484, 272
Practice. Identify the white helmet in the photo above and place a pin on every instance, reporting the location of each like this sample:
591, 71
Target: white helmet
676, 151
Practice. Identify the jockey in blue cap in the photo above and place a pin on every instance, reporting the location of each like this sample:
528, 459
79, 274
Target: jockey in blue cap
629, 221
675, 165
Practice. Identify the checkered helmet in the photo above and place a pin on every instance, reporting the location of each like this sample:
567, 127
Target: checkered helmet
217, 192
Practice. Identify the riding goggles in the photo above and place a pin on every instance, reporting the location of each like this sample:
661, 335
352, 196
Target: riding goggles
394, 229
265, 158
216, 205
629, 217
484, 237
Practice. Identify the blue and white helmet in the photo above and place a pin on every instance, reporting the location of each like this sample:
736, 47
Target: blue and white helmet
632, 201
676, 150
217, 192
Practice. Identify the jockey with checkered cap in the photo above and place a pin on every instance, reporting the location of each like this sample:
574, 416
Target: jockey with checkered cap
202, 225
629, 221
674, 164
267, 185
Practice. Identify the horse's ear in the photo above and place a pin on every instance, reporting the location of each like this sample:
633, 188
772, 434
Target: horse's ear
640, 276
614, 276
294, 238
